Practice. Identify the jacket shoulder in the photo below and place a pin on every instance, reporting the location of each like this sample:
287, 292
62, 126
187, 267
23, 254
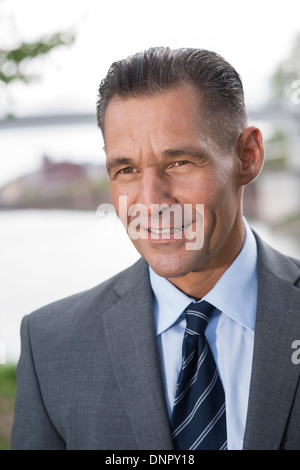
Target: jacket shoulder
273, 262
79, 308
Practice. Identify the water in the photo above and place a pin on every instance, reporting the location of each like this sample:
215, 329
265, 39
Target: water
48, 255
45, 256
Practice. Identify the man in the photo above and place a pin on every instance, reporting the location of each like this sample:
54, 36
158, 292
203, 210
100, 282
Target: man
104, 368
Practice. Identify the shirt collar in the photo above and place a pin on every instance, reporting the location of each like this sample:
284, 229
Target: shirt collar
235, 293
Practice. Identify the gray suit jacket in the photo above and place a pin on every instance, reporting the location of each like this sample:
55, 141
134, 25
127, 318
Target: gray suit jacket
89, 375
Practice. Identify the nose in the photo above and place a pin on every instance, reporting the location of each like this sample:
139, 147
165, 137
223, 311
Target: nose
155, 189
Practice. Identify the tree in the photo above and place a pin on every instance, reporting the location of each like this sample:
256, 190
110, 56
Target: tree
12, 60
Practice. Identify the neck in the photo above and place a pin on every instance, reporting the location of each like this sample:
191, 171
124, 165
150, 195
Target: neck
199, 282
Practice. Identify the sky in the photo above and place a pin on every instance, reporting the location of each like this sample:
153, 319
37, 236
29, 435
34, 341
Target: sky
253, 36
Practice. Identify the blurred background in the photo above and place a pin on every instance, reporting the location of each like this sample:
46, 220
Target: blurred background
53, 55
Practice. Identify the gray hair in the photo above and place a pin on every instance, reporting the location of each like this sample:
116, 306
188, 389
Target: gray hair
160, 68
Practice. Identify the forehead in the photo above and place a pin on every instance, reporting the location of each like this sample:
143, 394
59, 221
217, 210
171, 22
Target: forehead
174, 112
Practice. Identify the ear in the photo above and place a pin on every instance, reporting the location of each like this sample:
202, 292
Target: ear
251, 155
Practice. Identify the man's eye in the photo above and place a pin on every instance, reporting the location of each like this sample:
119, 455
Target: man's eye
181, 163
127, 170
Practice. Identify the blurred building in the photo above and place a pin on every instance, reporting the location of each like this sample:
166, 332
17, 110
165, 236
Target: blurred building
64, 185
57, 173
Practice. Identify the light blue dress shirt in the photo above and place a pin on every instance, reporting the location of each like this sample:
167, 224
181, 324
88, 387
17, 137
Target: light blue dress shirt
230, 333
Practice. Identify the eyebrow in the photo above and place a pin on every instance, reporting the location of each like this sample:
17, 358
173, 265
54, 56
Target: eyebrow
194, 152
190, 151
117, 162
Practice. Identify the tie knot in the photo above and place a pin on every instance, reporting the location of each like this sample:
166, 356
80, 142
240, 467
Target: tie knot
197, 317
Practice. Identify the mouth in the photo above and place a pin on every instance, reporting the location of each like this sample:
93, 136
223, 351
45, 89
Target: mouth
167, 233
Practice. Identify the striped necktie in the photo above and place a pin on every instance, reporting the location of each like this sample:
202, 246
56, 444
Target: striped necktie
198, 420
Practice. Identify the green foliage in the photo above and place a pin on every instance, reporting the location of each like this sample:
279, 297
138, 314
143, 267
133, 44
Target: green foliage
8, 385
11, 60
8, 381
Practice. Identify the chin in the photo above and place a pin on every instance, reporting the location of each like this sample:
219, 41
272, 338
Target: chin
170, 267
169, 261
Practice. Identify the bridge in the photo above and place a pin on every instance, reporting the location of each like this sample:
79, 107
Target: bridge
282, 116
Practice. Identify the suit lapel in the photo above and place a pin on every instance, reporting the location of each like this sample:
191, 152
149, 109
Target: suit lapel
274, 376
130, 335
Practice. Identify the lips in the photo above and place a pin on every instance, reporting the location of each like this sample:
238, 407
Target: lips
166, 232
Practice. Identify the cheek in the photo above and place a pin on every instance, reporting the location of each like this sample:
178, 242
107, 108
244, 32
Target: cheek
223, 184
118, 195
114, 199
122, 198
219, 194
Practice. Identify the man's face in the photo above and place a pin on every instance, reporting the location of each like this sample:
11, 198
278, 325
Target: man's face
159, 151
